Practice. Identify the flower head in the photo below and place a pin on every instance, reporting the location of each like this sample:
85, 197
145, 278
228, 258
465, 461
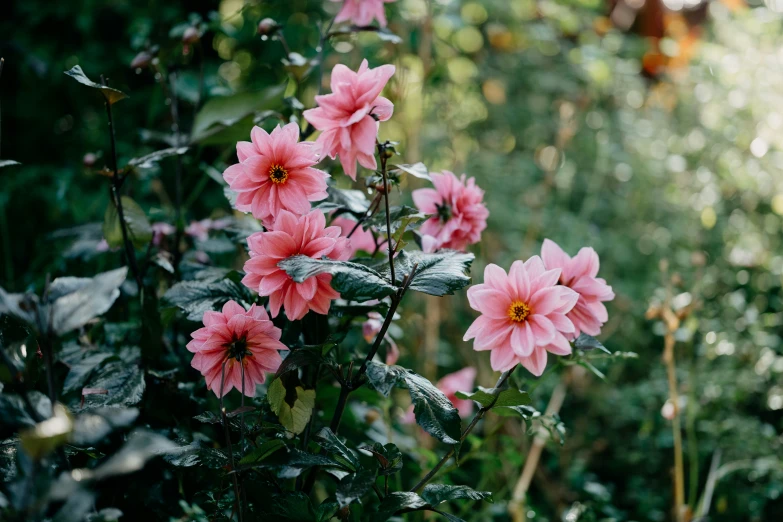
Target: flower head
362, 12
275, 172
294, 235
244, 342
579, 273
458, 212
523, 315
349, 116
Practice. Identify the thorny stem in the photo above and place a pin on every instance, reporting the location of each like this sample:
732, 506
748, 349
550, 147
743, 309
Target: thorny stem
228, 441
384, 159
115, 192
476, 418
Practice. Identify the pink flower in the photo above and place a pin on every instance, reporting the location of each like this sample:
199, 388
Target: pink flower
362, 12
523, 315
372, 327
458, 212
361, 239
579, 273
349, 116
293, 235
275, 172
200, 229
450, 384
160, 230
236, 338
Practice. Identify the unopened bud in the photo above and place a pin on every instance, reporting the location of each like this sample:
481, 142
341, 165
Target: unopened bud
89, 159
142, 60
371, 416
190, 36
267, 26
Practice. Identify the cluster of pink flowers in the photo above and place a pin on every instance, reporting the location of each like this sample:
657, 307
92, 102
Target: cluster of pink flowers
362, 12
539, 306
457, 209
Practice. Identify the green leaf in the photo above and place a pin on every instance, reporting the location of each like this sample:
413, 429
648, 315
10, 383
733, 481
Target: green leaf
510, 397
418, 170
140, 447
400, 217
89, 428
14, 413
196, 297
75, 301
223, 112
388, 456
105, 515
8, 163
46, 436
149, 160
293, 418
355, 282
586, 343
344, 200
124, 384
298, 358
327, 510
337, 449
80, 371
354, 487
289, 506
436, 494
439, 273
136, 224
382, 377
261, 452
111, 95
398, 502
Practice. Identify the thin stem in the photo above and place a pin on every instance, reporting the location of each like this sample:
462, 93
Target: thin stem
228, 442
340, 408
476, 418
2, 62
174, 106
370, 211
679, 468
382, 154
115, 191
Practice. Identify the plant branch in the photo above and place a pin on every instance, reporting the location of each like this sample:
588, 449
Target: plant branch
228, 442
476, 418
382, 153
115, 192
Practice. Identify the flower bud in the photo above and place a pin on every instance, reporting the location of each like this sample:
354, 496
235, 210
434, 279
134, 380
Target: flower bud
191, 35
267, 26
142, 60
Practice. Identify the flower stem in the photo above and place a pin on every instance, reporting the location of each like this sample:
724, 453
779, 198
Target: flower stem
115, 193
234, 477
384, 159
476, 418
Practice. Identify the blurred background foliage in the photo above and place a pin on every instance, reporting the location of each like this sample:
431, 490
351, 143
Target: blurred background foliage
650, 130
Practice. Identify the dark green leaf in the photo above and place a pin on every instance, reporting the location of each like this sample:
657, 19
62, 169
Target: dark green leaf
196, 454
196, 297
80, 371
344, 200
15, 414
354, 487
337, 449
586, 342
436, 494
327, 510
90, 428
434, 411
439, 273
388, 456
289, 506
399, 217
510, 397
398, 502
111, 95
298, 358
382, 377
85, 299
355, 282
22, 306
140, 447
123, 382
149, 160
261, 452
223, 112
136, 224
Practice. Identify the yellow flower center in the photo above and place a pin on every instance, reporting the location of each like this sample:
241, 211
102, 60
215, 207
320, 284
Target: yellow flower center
518, 311
278, 174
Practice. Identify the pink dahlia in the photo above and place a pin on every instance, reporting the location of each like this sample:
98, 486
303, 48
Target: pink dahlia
237, 339
294, 235
275, 172
579, 273
462, 380
362, 12
523, 315
349, 116
458, 212
361, 239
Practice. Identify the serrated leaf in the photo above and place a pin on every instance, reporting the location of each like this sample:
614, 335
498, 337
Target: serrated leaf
440, 273
83, 299
354, 487
262, 452
110, 94
124, 384
149, 160
80, 371
436, 494
355, 282
136, 224
337, 449
397, 502
388, 456
587, 342
433, 410
382, 377
418, 170
196, 297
